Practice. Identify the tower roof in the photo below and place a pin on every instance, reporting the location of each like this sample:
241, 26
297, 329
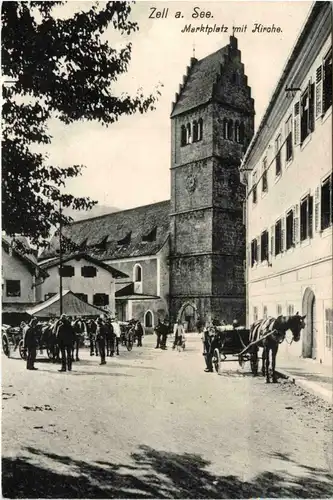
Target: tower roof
198, 83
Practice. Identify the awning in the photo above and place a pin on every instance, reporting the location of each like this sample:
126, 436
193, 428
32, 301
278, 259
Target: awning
128, 293
71, 306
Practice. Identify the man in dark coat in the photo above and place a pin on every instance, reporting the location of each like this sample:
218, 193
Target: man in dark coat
138, 330
158, 332
164, 333
101, 339
30, 343
92, 327
66, 338
79, 329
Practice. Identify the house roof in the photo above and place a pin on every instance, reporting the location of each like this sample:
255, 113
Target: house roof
55, 261
128, 293
71, 306
128, 233
198, 86
28, 260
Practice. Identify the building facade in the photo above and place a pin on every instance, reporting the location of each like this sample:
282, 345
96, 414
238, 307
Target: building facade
288, 172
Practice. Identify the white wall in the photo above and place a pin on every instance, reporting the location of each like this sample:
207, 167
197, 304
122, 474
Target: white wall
14, 269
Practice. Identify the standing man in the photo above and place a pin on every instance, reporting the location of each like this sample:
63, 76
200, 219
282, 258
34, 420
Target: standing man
79, 328
164, 333
30, 343
66, 338
178, 331
138, 333
101, 339
117, 333
158, 333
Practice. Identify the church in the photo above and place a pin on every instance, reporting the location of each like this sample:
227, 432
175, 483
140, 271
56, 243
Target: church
184, 257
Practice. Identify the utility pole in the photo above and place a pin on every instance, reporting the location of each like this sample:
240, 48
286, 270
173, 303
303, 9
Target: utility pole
60, 256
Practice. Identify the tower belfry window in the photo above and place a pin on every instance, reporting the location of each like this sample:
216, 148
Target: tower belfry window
200, 129
183, 136
188, 134
230, 130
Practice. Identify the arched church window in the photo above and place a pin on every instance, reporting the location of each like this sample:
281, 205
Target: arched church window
200, 129
237, 132
195, 131
241, 133
137, 278
225, 128
188, 134
230, 130
183, 136
148, 319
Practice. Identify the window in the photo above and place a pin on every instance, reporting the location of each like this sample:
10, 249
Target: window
195, 131
306, 217
279, 310
200, 129
137, 278
237, 132
241, 133
264, 246
67, 271
13, 288
289, 139
329, 329
254, 187
148, 319
264, 176
188, 134
255, 314
183, 136
230, 130
264, 312
254, 252
290, 229
327, 83
88, 271
296, 124
326, 203
225, 128
278, 155
125, 241
151, 236
100, 299
290, 310
278, 237
307, 112
82, 296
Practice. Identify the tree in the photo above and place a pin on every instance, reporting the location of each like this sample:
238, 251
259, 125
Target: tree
62, 68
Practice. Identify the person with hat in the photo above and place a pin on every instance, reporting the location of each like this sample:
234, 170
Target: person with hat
138, 332
66, 338
30, 343
101, 338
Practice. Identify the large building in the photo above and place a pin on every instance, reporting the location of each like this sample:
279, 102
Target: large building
288, 172
185, 255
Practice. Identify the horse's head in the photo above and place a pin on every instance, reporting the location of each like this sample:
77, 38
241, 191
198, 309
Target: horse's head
296, 325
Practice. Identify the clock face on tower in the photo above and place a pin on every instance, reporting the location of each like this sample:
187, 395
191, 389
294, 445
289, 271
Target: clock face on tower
191, 183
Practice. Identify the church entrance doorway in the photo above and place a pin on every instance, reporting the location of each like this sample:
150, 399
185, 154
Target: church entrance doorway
188, 316
309, 332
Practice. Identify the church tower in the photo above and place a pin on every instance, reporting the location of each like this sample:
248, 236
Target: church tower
212, 123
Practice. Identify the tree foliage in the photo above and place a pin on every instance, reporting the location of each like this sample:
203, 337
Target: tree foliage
60, 68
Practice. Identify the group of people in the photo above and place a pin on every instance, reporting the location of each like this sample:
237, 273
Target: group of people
162, 330
67, 334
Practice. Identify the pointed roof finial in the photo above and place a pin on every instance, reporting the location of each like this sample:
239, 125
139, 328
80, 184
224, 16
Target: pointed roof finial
193, 49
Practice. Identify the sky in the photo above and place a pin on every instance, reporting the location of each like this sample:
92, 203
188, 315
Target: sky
127, 164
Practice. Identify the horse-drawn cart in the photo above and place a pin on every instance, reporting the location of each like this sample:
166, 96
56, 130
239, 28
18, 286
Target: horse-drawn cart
11, 338
227, 343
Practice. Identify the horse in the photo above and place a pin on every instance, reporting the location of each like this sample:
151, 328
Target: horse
270, 333
79, 328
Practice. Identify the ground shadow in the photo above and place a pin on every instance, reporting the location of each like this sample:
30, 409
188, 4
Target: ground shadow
311, 376
152, 474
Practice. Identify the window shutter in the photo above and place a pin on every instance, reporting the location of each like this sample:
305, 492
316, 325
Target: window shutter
311, 107
317, 209
249, 254
283, 232
296, 124
296, 224
310, 216
272, 240
244, 213
319, 91
258, 250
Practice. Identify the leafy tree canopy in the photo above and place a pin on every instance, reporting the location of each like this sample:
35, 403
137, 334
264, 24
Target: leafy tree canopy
62, 68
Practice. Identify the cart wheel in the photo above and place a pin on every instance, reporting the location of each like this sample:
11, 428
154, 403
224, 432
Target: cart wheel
216, 361
50, 352
129, 343
241, 361
5, 346
22, 351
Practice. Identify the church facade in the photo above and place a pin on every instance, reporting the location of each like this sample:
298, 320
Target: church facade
185, 256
